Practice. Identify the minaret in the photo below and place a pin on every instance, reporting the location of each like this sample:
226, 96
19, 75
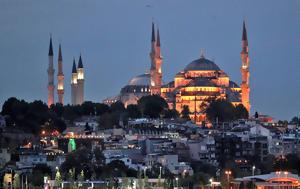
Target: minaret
156, 61
60, 78
50, 75
245, 70
74, 84
80, 82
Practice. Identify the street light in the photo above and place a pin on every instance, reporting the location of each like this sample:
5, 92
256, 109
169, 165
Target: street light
177, 182
145, 172
253, 170
228, 173
159, 171
211, 182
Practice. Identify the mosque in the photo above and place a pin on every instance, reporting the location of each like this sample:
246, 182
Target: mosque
200, 82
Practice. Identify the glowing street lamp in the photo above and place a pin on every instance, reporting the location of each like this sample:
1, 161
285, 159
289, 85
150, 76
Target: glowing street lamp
253, 170
145, 169
228, 173
177, 184
211, 182
160, 171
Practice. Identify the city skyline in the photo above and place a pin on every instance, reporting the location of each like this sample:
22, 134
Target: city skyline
123, 43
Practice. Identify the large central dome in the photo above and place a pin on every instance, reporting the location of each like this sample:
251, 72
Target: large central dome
140, 80
202, 64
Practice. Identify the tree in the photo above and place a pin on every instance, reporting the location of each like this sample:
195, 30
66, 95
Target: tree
88, 108
101, 108
16, 181
29, 117
58, 179
125, 182
87, 128
224, 111
289, 162
80, 177
38, 173
146, 183
295, 120
78, 160
109, 120
58, 109
9, 105
71, 112
117, 107
133, 111
250, 185
242, 185
220, 109
185, 113
140, 183
241, 112
256, 115
71, 175
100, 158
170, 113
152, 105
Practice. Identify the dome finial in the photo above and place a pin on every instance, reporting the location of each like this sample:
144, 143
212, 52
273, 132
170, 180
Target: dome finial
201, 53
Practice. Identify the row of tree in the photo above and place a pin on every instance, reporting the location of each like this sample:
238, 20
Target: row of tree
31, 117
223, 111
34, 116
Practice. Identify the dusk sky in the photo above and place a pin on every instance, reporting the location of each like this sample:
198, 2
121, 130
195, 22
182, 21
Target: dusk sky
113, 37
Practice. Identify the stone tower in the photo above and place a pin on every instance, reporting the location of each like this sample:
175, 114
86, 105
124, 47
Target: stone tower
74, 85
245, 70
60, 78
156, 62
50, 75
80, 82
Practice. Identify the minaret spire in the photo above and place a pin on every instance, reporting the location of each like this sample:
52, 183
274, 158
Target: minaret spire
158, 38
244, 37
157, 49
59, 53
156, 61
74, 70
153, 33
60, 78
80, 81
245, 96
80, 65
74, 84
50, 47
50, 72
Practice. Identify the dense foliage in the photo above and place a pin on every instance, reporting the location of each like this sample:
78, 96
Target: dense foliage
152, 106
91, 163
36, 116
31, 117
224, 111
185, 113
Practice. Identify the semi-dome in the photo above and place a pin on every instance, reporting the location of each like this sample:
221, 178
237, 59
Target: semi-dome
140, 80
201, 64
